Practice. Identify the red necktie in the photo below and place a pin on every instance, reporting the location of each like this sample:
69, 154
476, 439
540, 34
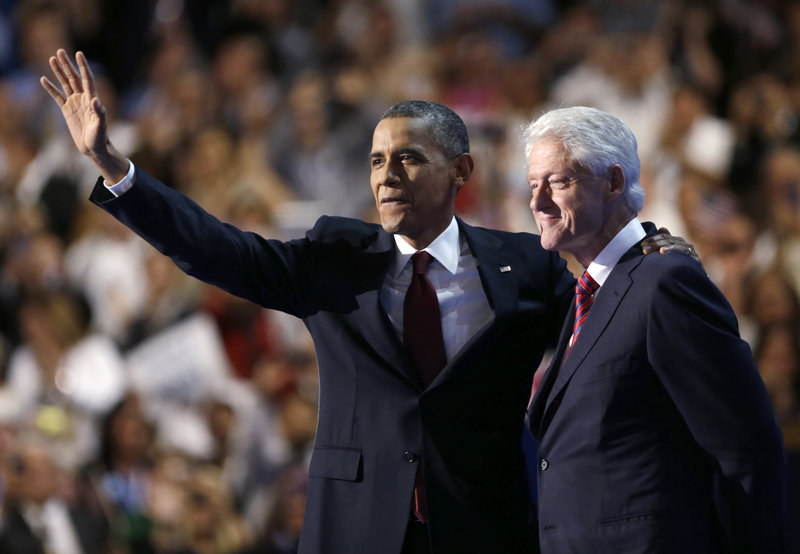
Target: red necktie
583, 301
422, 334
422, 324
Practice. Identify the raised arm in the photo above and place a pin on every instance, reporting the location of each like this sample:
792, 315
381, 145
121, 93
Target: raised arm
84, 114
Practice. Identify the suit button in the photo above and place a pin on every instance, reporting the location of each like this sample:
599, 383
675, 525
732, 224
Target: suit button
543, 464
410, 457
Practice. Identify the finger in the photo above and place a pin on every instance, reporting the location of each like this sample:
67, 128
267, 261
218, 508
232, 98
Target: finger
663, 231
69, 70
98, 107
87, 79
660, 241
685, 249
62, 79
671, 240
53, 91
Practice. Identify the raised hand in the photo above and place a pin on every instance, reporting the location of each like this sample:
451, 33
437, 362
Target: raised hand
84, 113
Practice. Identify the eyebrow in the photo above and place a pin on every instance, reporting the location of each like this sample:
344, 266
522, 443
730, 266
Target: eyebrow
400, 151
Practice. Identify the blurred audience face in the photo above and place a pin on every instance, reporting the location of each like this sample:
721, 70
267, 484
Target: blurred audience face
130, 432
772, 300
273, 378
778, 360
42, 31
308, 100
781, 181
31, 474
298, 420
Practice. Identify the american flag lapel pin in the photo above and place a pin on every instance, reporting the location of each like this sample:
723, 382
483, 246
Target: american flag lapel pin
505, 268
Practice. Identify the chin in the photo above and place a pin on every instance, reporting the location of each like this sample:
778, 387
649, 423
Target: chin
389, 224
548, 244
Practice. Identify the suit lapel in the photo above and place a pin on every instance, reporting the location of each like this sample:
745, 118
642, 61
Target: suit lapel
375, 325
499, 281
606, 303
499, 276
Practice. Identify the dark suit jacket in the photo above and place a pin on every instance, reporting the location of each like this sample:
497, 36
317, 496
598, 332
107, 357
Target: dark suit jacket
376, 423
17, 537
657, 424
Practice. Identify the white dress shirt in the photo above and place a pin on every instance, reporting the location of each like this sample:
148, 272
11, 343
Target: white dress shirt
601, 266
118, 189
463, 304
52, 523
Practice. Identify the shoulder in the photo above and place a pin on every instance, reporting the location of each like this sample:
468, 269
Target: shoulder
534, 266
500, 234
668, 266
679, 277
343, 229
524, 242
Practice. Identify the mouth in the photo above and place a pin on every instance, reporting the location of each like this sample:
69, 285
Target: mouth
547, 218
393, 201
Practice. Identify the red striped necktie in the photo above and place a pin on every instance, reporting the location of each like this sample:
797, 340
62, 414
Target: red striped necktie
584, 292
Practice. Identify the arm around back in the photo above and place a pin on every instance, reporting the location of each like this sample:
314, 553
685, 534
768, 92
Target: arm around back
710, 373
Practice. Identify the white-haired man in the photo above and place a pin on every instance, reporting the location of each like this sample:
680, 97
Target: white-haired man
656, 433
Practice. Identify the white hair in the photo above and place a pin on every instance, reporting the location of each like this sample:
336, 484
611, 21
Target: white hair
594, 139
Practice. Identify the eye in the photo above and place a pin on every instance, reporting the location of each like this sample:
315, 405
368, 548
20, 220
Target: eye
558, 183
409, 159
376, 162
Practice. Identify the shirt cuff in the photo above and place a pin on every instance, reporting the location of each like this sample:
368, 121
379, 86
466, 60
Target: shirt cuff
123, 186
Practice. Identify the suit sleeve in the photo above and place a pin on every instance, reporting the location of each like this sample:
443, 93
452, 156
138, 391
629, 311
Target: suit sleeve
709, 371
271, 273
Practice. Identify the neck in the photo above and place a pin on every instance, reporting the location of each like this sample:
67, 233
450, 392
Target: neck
422, 241
613, 225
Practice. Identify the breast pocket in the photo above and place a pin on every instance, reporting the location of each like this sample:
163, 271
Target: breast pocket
589, 373
330, 462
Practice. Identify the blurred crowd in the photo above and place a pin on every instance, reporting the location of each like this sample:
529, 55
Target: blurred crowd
142, 411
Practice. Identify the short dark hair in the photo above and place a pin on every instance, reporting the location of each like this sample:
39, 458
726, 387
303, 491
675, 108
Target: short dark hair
448, 129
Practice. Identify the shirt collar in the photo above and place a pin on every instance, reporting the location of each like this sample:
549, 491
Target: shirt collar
445, 248
602, 265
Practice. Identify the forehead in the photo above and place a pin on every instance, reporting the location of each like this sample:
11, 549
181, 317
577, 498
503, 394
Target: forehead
402, 132
550, 155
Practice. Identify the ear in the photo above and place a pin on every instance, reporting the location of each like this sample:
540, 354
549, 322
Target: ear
461, 168
616, 183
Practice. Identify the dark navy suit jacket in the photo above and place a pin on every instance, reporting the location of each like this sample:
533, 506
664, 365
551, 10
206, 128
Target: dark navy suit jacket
376, 423
656, 434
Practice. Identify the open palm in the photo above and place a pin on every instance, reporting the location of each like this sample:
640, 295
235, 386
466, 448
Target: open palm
77, 98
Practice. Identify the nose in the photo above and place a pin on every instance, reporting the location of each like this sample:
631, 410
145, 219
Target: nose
387, 175
392, 172
540, 199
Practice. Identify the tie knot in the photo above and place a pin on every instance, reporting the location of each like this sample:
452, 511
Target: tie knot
420, 262
586, 285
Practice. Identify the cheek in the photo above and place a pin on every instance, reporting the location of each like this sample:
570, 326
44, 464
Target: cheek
577, 213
